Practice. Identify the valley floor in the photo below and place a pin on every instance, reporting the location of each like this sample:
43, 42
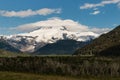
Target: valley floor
25, 76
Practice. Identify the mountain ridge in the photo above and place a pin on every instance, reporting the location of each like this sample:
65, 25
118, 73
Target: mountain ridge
61, 47
103, 44
30, 42
4, 45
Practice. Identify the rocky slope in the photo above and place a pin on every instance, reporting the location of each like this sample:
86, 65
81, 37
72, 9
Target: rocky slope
4, 45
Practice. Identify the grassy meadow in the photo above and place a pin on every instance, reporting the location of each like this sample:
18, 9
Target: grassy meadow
29, 76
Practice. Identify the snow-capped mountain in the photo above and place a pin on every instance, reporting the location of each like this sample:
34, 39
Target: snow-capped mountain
30, 42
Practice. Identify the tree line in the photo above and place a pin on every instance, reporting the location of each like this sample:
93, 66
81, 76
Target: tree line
62, 65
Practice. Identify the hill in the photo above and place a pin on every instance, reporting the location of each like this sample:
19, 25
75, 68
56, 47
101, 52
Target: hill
4, 45
61, 47
106, 45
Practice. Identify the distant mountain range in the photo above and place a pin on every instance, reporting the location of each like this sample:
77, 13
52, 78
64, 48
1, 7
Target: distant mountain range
48, 40
106, 45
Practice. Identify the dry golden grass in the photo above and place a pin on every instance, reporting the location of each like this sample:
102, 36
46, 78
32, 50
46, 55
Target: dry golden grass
28, 76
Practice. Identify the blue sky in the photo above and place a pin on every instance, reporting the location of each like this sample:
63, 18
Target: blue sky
91, 13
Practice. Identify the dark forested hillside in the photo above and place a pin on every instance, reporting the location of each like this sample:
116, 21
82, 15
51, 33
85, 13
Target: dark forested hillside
61, 47
106, 45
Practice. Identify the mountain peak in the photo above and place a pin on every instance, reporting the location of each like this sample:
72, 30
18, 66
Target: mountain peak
28, 42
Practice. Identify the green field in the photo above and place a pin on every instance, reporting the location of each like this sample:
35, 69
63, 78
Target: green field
28, 76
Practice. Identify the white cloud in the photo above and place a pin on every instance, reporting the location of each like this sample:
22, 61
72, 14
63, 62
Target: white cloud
100, 30
57, 22
101, 4
54, 22
95, 12
95, 9
29, 12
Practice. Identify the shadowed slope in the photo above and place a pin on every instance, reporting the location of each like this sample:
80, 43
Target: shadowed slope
103, 44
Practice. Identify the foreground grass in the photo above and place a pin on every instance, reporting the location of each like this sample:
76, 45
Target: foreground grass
25, 76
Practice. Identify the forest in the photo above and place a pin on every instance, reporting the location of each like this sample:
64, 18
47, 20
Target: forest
63, 65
